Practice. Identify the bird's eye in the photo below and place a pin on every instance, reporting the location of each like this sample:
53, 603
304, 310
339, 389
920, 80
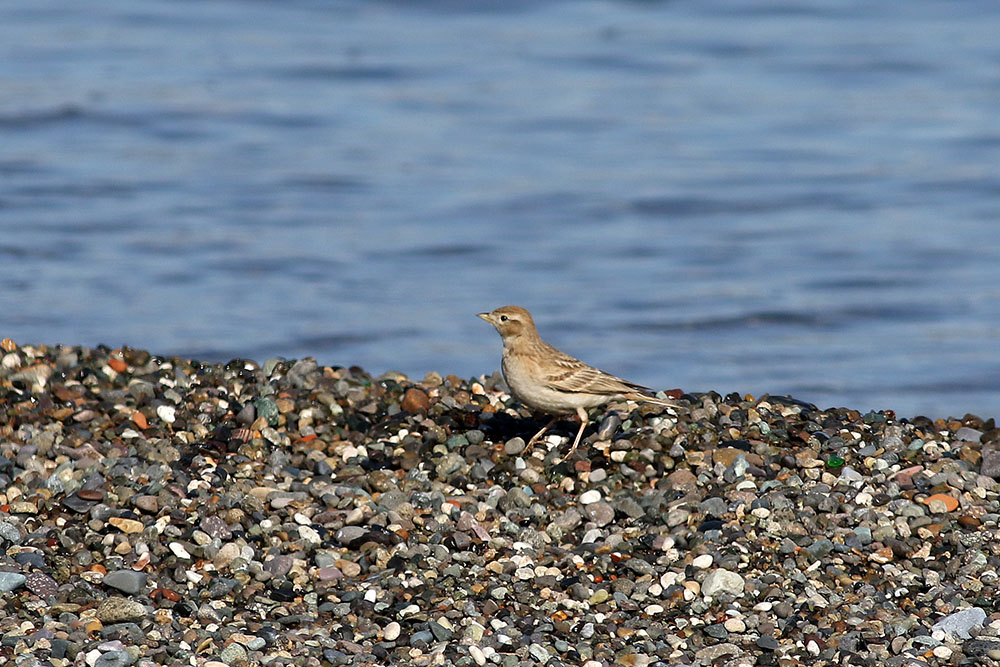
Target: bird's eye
503, 318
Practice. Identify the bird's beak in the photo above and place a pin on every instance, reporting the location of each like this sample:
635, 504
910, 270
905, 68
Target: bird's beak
485, 316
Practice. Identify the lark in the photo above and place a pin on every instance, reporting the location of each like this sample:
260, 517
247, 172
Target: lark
546, 380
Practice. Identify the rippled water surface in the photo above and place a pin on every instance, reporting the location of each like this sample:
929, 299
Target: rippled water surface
785, 197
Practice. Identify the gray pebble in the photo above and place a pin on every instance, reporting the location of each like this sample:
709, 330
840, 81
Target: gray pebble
10, 581
514, 446
114, 659
127, 581
961, 622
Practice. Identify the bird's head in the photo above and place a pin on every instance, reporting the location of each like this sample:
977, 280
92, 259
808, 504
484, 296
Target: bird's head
510, 321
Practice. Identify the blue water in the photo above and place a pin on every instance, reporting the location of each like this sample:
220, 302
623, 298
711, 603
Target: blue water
764, 197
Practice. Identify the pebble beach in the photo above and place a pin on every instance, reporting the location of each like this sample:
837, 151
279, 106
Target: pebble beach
164, 511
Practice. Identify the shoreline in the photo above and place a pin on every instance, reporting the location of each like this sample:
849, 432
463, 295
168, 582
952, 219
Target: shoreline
157, 511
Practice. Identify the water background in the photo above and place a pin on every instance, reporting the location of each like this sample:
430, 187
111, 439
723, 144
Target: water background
785, 197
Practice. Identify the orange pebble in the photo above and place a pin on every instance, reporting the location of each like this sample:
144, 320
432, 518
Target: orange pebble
118, 365
140, 421
948, 501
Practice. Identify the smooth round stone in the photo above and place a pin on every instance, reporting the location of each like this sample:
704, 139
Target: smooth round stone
127, 581
391, 631
591, 496
703, 561
598, 475
609, 426
477, 655
256, 644
10, 581
513, 446
120, 610
233, 653
735, 625
942, 652
349, 568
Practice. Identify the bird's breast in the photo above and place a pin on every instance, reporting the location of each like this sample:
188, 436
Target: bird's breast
530, 389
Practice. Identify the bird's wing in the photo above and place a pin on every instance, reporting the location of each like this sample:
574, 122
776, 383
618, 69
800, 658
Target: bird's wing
570, 374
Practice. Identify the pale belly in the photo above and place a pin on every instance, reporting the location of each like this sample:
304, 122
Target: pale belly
548, 400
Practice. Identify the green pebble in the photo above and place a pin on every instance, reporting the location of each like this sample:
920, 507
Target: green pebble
268, 409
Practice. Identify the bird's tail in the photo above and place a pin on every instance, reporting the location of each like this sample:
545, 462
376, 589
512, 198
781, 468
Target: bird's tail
640, 397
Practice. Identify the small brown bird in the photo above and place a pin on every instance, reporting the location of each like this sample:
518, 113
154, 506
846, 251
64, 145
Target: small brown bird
547, 380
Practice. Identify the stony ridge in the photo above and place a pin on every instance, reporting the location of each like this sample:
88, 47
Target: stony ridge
165, 511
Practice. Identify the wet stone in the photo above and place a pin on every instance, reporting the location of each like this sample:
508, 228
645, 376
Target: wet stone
609, 426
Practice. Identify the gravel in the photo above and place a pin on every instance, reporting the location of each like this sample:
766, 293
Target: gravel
166, 511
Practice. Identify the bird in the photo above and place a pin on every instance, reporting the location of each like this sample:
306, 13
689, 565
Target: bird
547, 380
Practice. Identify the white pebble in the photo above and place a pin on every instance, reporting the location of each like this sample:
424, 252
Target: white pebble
391, 632
167, 413
735, 625
703, 561
588, 497
653, 609
942, 652
310, 535
179, 550
477, 655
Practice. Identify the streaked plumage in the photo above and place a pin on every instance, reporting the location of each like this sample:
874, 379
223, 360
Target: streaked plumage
548, 380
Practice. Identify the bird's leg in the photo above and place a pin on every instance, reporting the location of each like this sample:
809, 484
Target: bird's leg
584, 420
538, 436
